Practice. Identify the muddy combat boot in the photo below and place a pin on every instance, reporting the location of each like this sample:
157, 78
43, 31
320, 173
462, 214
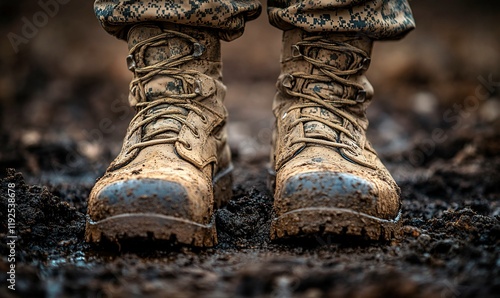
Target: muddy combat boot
174, 167
327, 177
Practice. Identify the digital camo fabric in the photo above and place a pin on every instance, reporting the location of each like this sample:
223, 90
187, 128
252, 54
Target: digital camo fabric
379, 19
227, 16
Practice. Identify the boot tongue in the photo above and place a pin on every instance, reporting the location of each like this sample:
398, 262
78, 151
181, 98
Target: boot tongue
339, 60
316, 129
342, 61
171, 126
160, 86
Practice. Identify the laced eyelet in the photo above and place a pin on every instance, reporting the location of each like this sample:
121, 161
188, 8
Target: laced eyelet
203, 119
365, 64
361, 96
197, 88
198, 49
296, 51
287, 81
133, 91
196, 133
131, 63
187, 146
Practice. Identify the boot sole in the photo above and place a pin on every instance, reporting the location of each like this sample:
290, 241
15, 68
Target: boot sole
331, 221
153, 226
334, 221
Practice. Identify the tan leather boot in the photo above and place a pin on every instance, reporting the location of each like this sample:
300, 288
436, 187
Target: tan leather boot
174, 167
328, 178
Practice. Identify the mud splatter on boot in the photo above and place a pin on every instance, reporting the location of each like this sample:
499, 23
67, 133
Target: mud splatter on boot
326, 175
174, 167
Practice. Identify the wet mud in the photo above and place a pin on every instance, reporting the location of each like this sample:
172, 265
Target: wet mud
434, 120
451, 227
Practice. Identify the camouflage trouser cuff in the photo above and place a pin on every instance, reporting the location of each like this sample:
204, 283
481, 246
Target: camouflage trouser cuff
378, 19
226, 16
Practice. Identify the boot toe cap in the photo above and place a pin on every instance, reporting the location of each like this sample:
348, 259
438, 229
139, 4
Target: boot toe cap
335, 190
151, 196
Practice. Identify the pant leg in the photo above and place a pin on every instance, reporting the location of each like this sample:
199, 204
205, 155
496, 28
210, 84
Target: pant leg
226, 16
378, 19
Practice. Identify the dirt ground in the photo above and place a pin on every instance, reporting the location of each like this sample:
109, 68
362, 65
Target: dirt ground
434, 120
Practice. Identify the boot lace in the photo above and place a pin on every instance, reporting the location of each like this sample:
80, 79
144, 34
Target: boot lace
149, 111
328, 73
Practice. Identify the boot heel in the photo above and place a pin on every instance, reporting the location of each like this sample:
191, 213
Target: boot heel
223, 187
271, 180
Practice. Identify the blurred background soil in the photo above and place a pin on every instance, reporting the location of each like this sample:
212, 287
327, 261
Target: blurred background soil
434, 120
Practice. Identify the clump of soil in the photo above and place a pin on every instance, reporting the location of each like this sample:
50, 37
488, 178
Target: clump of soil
450, 245
64, 112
